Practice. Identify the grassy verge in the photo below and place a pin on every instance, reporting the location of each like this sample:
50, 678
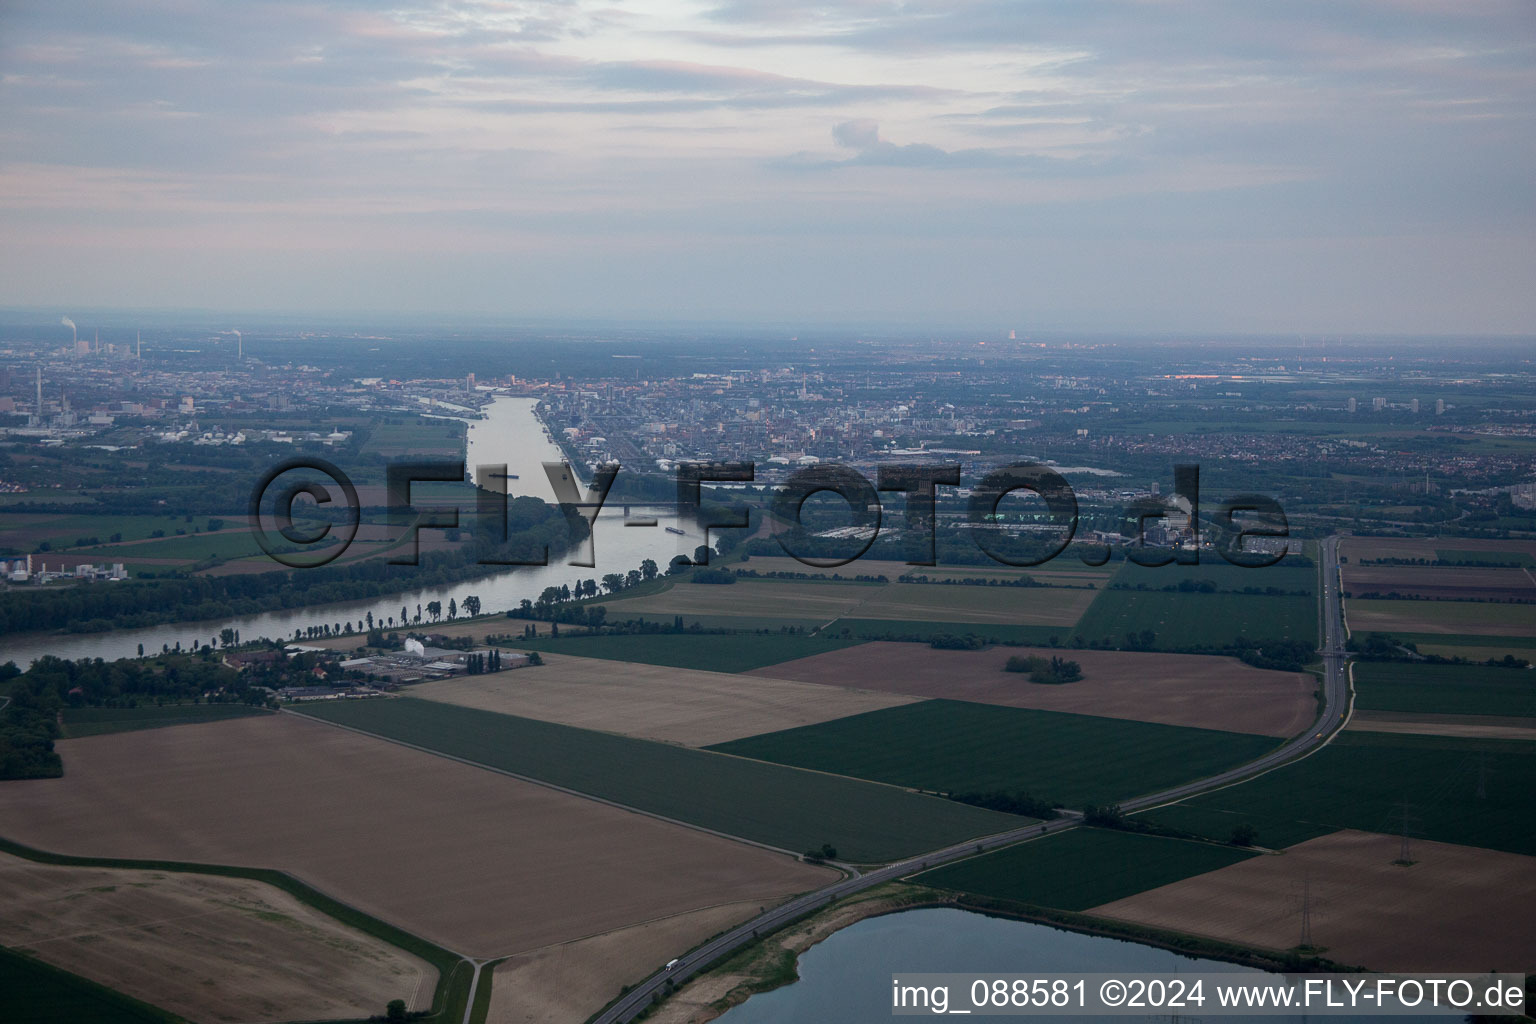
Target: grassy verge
482, 1005
448, 1001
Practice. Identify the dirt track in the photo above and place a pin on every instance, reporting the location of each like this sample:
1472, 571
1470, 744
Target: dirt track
656, 702
1456, 908
204, 947
1174, 689
483, 864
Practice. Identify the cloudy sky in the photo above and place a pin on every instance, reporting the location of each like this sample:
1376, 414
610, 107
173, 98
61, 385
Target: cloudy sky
1307, 166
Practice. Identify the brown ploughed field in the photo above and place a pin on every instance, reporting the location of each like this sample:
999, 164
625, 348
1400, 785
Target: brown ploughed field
571, 980
1175, 689
656, 702
204, 947
1457, 908
480, 863
1469, 726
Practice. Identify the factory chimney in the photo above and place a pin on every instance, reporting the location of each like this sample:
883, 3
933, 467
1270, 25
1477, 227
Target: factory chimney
39, 396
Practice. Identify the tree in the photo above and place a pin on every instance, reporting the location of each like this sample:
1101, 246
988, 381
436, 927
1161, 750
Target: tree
141, 650
633, 578
472, 606
434, 609
613, 583
394, 1013
370, 622
648, 569
226, 635
453, 608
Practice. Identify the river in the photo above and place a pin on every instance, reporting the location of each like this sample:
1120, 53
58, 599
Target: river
847, 977
509, 433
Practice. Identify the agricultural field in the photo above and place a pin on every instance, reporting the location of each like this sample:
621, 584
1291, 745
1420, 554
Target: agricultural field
38, 993
203, 947
1202, 691
1433, 549
1445, 689
558, 983
954, 746
1036, 606
1058, 573
1477, 618
1448, 583
1468, 726
417, 438
715, 652
1286, 576
906, 629
474, 861
23, 531
766, 803
1183, 620
654, 702
1082, 868
80, 722
829, 599
1455, 909
1470, 791
748, 599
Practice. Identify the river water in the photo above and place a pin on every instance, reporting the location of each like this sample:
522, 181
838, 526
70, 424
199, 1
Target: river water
510, 433
847, 977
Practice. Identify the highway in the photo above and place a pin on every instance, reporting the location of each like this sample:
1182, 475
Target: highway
1334, 714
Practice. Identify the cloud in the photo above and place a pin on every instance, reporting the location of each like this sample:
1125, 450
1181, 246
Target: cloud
863, 136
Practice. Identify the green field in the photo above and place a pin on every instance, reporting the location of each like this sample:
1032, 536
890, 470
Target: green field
97, 721
1286, 576
228, 543
783, 807
32, 992
1445, 689
717, 652
1477, 618
898, 629
956, 746
1185, 620
23, 530
742, 623
1361, 780
1082, 868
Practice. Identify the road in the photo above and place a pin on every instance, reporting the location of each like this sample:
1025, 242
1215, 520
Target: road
1334, 714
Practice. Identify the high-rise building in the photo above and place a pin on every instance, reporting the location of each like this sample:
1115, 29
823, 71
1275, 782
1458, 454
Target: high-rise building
1439, 407
1378, 404
1413, 406
1352, 405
